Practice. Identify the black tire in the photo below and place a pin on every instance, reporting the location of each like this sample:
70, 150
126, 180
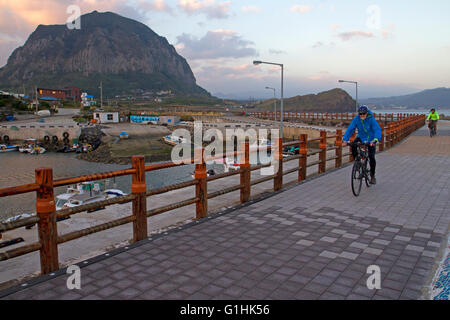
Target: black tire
6, 139
357, 176
47, 139
55, 139
66, 140
66, 135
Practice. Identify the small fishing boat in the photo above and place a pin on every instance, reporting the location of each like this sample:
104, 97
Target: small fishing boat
85, 193
5, 148
31, 146
174, 140
123, 135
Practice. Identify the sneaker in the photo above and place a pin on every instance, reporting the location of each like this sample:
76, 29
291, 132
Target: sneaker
373, 180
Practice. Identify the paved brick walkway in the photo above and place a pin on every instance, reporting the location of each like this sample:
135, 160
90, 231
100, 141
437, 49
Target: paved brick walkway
312, 241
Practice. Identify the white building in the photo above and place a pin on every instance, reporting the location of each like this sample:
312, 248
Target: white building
106, 117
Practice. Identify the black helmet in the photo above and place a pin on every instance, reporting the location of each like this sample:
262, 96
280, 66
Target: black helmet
363, 110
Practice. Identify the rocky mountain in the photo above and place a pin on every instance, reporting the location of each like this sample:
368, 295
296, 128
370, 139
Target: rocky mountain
335, 100
124, 54
439, 97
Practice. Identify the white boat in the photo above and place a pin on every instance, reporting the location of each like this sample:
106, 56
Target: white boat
174, 140
85, 193
31, 146
5, 148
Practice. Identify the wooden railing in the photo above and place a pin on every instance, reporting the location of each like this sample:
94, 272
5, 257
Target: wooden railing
47, 216
308, 116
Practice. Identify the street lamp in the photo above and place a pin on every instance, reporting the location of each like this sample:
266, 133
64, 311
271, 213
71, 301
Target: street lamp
258, 62
356, 83
274, 102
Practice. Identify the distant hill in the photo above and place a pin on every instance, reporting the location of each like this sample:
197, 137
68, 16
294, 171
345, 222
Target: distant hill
336, 100
439, 97
122, 53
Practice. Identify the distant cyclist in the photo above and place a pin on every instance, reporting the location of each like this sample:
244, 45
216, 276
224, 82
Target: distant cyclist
432, 119
369, 131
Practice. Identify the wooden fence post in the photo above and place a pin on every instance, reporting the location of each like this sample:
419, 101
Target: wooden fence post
47, 228
245, 174
323, 152
338, 162
278, 181
303, 151
139, 204
201, 191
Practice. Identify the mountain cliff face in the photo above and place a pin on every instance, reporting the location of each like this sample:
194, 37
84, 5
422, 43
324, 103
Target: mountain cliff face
123, 53
336, 100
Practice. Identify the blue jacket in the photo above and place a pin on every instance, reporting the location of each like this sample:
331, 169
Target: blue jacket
368, 130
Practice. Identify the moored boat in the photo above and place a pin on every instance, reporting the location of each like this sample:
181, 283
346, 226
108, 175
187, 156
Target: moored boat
5, 148
174, 140
31, 146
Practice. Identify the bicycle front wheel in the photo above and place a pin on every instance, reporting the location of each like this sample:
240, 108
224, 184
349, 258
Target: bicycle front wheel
357, 176
366, 174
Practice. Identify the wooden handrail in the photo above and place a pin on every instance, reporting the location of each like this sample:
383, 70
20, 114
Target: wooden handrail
46, 214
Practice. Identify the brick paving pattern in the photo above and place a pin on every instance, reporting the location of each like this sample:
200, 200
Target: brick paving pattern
312, 241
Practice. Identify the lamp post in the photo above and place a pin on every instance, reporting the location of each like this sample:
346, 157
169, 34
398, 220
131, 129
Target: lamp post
356, 83
101, 95
257, 62
274, 102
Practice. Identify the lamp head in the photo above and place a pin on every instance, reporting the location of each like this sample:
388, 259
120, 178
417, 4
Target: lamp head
341, 80
256, 62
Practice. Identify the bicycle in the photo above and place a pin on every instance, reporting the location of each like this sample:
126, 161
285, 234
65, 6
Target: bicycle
432, 128
360, 169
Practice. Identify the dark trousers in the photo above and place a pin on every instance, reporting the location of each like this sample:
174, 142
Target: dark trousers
372, 161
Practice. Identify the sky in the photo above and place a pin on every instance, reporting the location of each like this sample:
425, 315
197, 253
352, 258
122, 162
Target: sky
388, 47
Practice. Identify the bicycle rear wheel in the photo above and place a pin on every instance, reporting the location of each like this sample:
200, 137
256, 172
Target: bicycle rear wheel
357, 176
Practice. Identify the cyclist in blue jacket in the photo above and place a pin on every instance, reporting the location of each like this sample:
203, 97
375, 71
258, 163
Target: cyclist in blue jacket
369, 131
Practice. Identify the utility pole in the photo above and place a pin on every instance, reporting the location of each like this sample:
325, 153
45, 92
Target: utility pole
101, 95
36, 102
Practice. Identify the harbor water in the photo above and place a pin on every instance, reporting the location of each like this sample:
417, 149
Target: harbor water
18, 168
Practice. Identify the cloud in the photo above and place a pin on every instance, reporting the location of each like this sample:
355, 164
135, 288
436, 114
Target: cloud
318, 44
251, 9
274, 51
300, 8
212, 9
155, 5
215, 44
334, 27
346, 36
